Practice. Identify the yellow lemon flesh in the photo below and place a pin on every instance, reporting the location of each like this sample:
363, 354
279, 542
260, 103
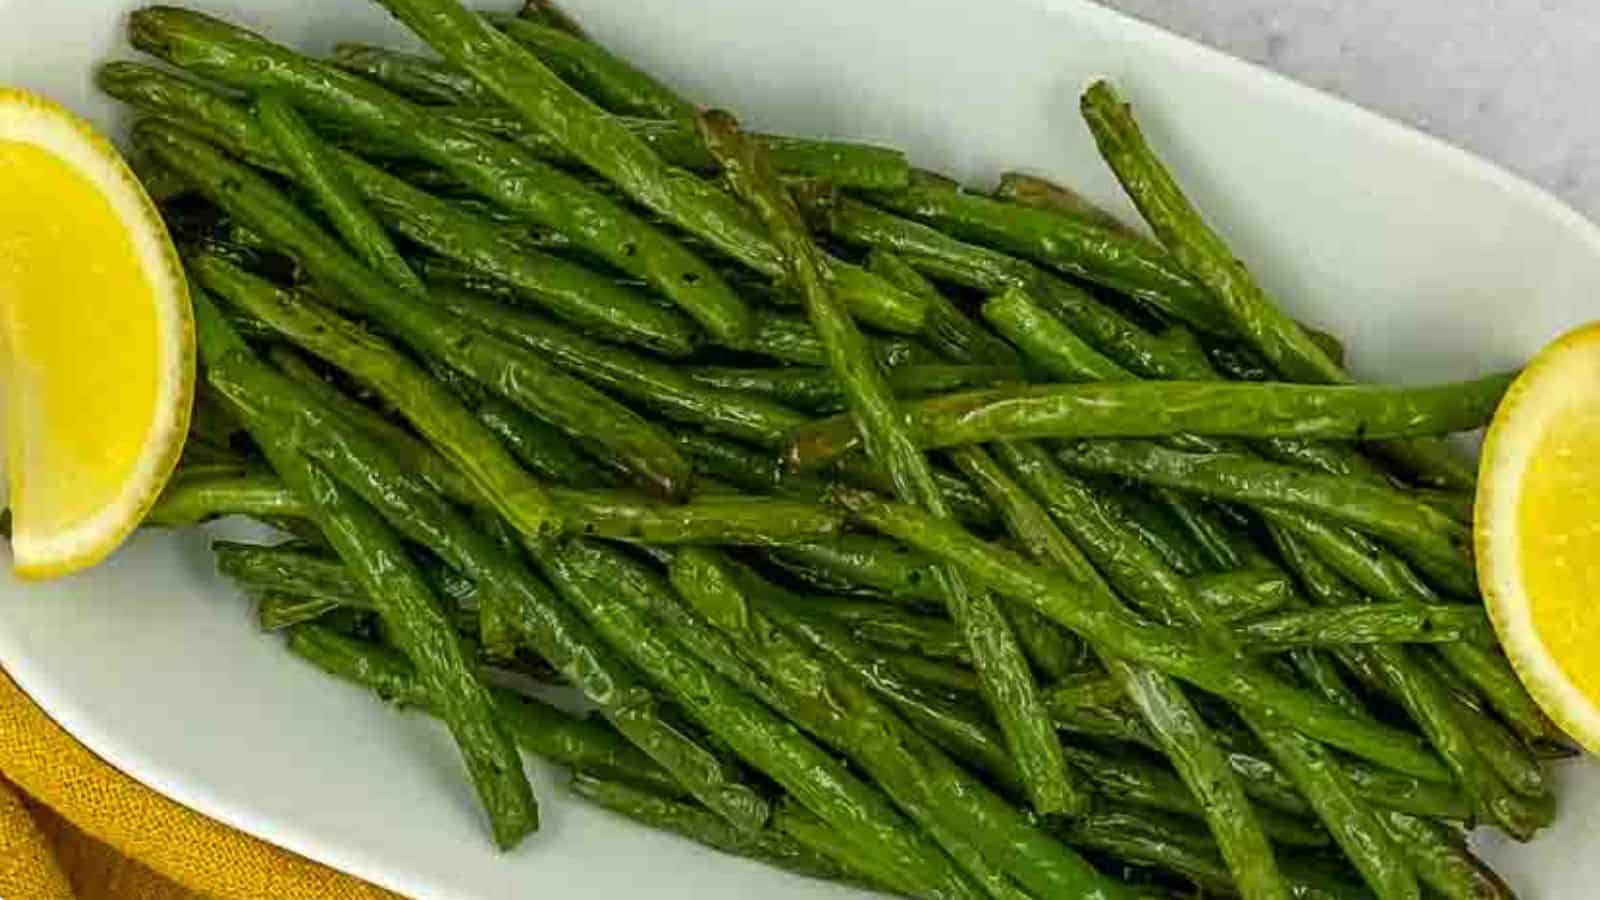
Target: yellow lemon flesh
1538, 530
95, 325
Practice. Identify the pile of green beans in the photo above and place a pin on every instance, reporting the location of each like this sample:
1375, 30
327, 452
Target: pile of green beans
935, 542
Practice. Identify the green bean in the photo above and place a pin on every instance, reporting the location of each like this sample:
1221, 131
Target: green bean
540, 447
1156, 525
1022, 520
438, 472
1204, 255
711, 520
662, 387
1135, 783
290, 572
1242, 594
411, 75
974, 825
816, 390
1145, 838
849, 563
1381, 574
1096, 617
887, 626
1391, 623
315, 166
1041, 193
794, 820
945, 257
960, 730
1443, 861
1512, 761
1456, 504
1417, 529
548, 12
279, 612
543, 730
701, 826
243, 60
393, 583
675, 141
1038, 193
513, 599
188, 502
610, 149
1048, 344
766, 741
583, 297
587, 299
1003, 670
1102, 255
947, 329
1169, 716
1425, 699
607, 79
1160, 409
522, 378
1094, 705
793, 341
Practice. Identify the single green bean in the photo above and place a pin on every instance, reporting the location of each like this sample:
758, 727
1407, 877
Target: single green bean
816, 390
794, 820
1054, 348
1390, 623
1161, 409
751, 521
1042, 193
191, 501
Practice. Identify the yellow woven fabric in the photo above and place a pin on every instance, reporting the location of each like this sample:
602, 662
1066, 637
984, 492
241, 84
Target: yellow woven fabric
105, 835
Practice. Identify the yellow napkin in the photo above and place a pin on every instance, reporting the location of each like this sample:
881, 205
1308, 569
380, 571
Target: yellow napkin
73, 828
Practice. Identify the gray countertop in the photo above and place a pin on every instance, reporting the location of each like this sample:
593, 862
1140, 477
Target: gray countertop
1512, 80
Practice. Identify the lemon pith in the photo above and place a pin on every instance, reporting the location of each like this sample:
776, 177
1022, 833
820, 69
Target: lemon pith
1538, 530
94, 321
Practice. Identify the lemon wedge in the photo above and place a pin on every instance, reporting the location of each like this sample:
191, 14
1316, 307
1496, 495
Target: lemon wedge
1538, 530
97, 336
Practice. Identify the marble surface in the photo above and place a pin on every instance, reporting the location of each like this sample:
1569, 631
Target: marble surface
1512, 80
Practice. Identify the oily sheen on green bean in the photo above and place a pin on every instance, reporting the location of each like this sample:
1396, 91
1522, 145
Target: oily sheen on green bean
1160, 409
